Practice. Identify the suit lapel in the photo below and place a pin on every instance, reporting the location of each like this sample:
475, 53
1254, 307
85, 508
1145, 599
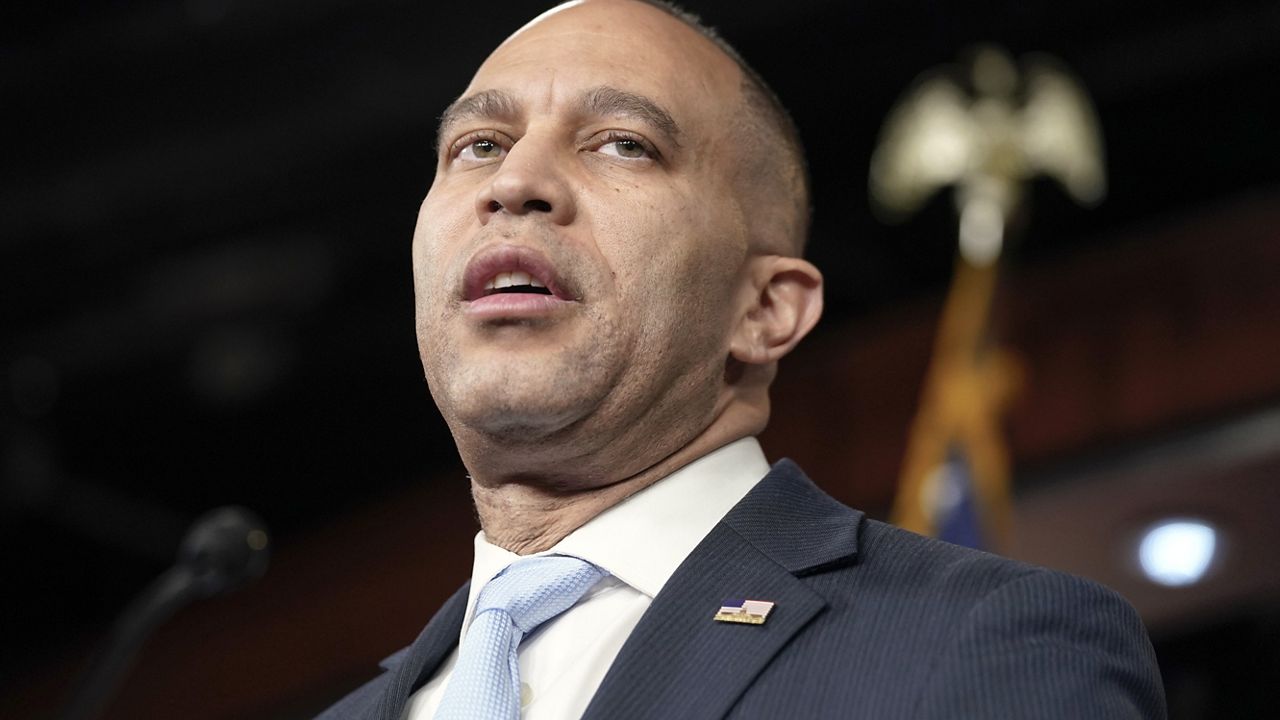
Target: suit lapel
678, 662
410, 668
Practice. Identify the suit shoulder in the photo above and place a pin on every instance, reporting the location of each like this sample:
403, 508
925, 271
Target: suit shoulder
983, 631
923, 561
938, 577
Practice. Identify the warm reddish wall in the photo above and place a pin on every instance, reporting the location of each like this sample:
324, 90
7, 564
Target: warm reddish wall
1177, 325
1164, 327
1152, 331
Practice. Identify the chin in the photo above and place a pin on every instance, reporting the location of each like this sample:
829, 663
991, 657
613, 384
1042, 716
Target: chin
518, 403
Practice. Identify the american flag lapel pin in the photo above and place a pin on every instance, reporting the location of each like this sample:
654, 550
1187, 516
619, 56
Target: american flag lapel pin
751, 612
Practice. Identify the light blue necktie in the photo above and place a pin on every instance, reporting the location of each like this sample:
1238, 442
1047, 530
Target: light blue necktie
485, 684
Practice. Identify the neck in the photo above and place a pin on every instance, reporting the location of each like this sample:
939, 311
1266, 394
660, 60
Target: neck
528, 513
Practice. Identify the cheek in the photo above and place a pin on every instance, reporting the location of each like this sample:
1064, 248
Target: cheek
674, 265
437, 238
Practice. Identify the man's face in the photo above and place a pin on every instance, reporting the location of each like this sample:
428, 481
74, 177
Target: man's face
593, 153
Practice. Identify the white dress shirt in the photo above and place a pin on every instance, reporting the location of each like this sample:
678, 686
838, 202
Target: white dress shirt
640, 542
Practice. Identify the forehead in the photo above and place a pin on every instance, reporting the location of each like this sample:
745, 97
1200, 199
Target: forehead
614, 43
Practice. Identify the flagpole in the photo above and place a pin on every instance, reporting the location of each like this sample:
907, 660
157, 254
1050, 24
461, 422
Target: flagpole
985, 134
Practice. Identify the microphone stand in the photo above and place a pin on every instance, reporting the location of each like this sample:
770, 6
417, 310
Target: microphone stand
223, 550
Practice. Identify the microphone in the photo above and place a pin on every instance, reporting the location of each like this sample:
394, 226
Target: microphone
223, 550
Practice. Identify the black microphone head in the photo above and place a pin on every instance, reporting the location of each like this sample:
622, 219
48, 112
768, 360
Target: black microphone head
224, 549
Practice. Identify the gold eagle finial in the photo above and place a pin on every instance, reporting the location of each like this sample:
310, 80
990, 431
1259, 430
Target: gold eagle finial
987, 137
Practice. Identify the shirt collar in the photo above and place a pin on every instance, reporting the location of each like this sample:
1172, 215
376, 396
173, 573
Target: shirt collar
643, 539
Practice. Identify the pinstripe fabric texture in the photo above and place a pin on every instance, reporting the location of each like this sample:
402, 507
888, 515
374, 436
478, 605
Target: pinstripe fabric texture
486, 682
870, 622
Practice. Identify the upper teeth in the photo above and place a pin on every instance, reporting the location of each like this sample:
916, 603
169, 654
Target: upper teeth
510, 279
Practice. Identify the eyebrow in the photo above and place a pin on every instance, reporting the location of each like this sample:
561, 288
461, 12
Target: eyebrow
611, 102
603, 101
489, 104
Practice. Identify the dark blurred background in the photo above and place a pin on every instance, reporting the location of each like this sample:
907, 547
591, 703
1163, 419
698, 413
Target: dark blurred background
205, 219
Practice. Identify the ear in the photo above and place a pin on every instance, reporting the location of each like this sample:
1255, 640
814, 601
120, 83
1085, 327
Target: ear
782, 301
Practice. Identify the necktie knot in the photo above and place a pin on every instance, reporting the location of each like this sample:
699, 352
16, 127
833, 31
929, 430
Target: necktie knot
534, 590
486, 680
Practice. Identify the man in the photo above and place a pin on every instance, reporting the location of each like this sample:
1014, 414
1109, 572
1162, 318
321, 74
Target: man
607, 273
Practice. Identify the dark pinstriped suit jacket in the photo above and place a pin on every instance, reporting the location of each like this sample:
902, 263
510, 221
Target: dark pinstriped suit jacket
870, 622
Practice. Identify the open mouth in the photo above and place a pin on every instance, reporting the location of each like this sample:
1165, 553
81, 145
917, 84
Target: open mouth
514, 282
513, 270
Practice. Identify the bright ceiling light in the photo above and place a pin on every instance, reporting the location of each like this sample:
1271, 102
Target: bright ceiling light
1177, 552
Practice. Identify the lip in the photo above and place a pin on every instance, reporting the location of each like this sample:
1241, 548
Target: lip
510, 258
513, 306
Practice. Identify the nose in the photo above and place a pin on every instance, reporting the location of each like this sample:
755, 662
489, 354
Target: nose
530, 181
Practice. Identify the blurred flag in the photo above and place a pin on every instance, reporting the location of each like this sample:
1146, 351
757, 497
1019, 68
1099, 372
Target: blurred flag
984, 130
955, 511
955, 479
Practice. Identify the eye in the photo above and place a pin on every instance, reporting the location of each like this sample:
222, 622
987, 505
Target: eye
626, 146
479, 147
